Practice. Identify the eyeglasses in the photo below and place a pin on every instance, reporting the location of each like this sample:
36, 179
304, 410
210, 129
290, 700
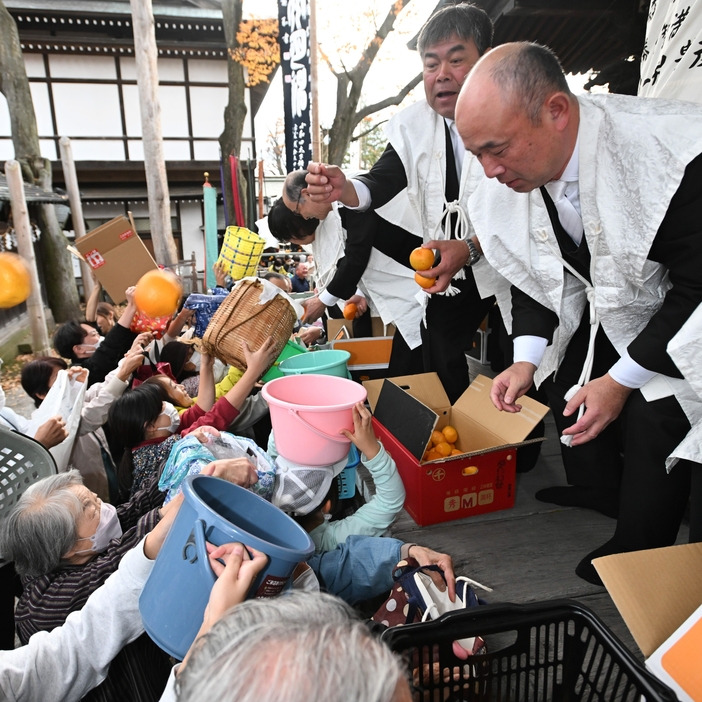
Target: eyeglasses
297, 205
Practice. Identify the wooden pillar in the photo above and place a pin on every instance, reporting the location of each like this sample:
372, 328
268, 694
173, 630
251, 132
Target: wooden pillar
314, 116
70, 177
25, 248
146, 56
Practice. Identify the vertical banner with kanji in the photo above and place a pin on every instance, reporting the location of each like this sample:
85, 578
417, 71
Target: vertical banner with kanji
671, 60
293, 20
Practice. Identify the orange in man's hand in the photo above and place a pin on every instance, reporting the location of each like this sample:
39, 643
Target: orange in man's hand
157, 293
350, 311
423, 282
421, 259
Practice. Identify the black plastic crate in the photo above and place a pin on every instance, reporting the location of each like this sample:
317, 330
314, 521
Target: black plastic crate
555, 650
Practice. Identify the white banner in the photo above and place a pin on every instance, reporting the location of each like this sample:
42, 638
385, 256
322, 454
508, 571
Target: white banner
671, 61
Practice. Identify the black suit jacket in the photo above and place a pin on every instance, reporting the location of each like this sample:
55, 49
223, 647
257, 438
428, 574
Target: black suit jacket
678, 246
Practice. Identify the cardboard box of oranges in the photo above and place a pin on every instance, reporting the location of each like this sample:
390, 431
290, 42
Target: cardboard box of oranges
478, 474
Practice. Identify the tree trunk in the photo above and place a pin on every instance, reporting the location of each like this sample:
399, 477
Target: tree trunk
146, 56
56, 261
235, 111
350, 86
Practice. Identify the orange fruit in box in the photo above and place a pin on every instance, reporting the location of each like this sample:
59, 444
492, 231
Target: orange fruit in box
436, 438
158, 293
443, 448
450, 434
350, 311
432, 456
421, 259
456, 452
423, 282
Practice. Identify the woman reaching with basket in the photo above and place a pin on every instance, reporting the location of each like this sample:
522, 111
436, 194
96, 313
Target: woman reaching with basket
147, 424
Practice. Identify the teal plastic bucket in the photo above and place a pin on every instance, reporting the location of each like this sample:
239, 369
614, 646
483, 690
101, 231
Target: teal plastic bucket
289, 350
330, 362
175, 596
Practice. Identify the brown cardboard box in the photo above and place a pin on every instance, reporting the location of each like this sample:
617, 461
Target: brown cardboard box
482, 479
379, 329
117, 256
658, 593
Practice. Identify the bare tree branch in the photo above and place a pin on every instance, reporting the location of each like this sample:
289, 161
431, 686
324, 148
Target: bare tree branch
395, 100
368, 131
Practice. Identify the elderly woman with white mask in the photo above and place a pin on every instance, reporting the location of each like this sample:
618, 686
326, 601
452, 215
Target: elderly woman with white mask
65, 542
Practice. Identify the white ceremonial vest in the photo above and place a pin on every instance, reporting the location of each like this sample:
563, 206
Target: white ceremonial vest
623, 140
390, 287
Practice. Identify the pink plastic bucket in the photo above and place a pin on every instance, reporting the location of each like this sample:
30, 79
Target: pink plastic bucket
307, 412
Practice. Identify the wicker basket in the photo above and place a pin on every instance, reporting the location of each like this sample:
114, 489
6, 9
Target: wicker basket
240, 317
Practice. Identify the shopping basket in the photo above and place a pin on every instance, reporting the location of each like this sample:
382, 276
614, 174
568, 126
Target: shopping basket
556, 650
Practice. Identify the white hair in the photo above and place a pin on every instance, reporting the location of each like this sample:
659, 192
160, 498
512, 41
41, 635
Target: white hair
297, 648
43, 525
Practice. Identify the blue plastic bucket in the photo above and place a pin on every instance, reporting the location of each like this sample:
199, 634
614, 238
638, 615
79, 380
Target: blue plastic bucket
174, 598
329, 362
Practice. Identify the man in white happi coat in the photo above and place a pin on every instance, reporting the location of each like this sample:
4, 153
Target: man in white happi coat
350, 268
594, 218
420, 185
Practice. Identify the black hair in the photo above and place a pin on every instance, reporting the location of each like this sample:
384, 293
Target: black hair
286, 226
530, 74
469, 22
155, 380
36, 376
128, 417
68, 335
176, 353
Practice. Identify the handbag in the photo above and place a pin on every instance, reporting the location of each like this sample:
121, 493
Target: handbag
415, 597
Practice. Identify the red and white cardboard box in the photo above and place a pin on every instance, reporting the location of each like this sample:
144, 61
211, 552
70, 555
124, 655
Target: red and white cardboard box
482, 479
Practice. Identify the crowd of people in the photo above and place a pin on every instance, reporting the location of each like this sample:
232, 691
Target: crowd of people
573, 221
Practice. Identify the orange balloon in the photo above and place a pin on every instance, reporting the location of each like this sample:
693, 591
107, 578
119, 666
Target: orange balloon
421, 259
15, 279
350, 311
158, 293
423, 282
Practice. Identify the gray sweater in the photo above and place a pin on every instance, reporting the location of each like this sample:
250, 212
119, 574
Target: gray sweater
66, 663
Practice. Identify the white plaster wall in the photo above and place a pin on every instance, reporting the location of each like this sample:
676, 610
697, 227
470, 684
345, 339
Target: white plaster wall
190, 223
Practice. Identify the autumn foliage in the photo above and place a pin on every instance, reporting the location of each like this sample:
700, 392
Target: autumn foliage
258, 51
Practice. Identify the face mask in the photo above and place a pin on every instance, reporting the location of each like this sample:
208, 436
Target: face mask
172, 413
2, 399
195, 360
90, 348
109, 528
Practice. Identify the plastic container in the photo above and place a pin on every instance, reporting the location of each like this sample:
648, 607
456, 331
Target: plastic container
307, 412
558, 651
290, 349
347, 477
329, 362
174, 598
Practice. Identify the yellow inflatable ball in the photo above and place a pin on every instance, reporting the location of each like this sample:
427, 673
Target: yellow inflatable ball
15, 280
158, 293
